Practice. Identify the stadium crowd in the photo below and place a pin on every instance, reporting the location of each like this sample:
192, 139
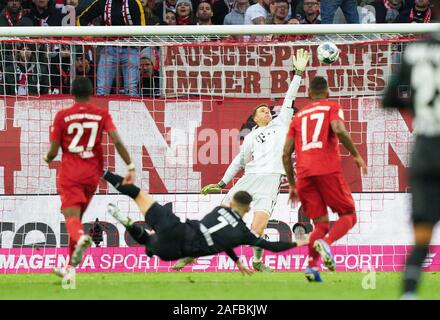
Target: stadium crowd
29, 69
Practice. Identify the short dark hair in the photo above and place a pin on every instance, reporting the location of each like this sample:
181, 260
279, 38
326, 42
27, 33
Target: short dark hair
318, 84
258, 107
243, 198
82, 87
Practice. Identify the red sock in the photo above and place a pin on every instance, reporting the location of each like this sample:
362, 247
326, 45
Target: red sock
321, 228
72, 245
74, 228
341, 227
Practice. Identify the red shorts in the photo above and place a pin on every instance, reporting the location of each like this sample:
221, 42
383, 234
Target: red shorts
319, 192
76, 194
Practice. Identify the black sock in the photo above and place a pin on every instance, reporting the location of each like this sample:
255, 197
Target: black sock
138, 233
116, 181
413, 268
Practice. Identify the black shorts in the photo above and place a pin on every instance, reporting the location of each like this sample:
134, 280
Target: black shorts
425, 180
425, 198
169, 241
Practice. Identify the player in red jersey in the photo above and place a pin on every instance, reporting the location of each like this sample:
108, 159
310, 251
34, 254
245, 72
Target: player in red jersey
78, 130
314, 134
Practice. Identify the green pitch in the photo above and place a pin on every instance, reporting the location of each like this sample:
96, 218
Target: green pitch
205, 286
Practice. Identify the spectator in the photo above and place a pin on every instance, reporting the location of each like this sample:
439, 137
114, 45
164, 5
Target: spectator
84, 67
150, 18
170, 18
111, 57
150, 84
26, 74
293, 21
96, 232
161, 9
367, 14
387, 11
258, 13
204, 13
221, 9
184, 12
329, 7
281, 11
44, 13
60, 64
311, 12
420, 12
13, 15
236, 16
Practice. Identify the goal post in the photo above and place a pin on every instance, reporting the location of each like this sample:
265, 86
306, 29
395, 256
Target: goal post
181, 98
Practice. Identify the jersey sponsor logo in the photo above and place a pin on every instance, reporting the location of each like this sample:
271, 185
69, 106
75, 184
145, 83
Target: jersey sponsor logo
82, 116
261, 138
318, 108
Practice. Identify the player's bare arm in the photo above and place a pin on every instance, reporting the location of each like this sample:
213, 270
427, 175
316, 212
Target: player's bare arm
339, 129
122, 151
53, 151
289, 147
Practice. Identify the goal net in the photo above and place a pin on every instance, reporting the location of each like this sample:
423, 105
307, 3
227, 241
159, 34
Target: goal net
182, 104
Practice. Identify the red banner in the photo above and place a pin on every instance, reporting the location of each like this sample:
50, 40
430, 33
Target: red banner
264, 70
182, 145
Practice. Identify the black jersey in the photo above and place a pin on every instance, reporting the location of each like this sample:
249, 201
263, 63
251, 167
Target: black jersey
416, 86
222, 230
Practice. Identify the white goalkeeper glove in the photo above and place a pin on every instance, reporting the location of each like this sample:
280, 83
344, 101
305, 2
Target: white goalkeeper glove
301, 60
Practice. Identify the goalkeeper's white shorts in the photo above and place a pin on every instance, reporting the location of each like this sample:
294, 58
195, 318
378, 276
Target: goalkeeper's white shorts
264, 189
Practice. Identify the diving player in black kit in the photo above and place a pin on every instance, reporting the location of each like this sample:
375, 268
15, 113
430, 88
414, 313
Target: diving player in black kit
220, 230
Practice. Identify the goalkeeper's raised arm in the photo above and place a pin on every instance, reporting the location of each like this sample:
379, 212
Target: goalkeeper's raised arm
299, 63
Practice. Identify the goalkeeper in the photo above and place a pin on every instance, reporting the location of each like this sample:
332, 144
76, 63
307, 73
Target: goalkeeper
220, 230
261, 157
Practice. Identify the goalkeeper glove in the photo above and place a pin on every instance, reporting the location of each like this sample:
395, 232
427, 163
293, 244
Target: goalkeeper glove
301, 60
211, 188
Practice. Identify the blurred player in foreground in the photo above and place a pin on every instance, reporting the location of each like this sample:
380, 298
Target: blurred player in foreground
220, 230
415, 87
260, 157
78, 130
314, 134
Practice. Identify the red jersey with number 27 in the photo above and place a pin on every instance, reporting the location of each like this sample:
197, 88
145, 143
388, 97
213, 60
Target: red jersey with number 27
316, 145
79, 130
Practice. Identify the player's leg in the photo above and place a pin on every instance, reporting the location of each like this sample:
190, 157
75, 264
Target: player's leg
314, 207
138, 233
143, 200
264, 190
337, 195
259, 225
425, 215
78, 242
413, 266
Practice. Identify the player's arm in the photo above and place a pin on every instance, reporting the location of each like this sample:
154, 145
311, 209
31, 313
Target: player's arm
123, 152
299, 63
231, 253
277, 246
53, 151
289, 147
55, 136
339, 129
232, 170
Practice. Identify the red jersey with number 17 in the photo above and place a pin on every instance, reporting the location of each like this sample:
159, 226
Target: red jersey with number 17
79, 130
316, 145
